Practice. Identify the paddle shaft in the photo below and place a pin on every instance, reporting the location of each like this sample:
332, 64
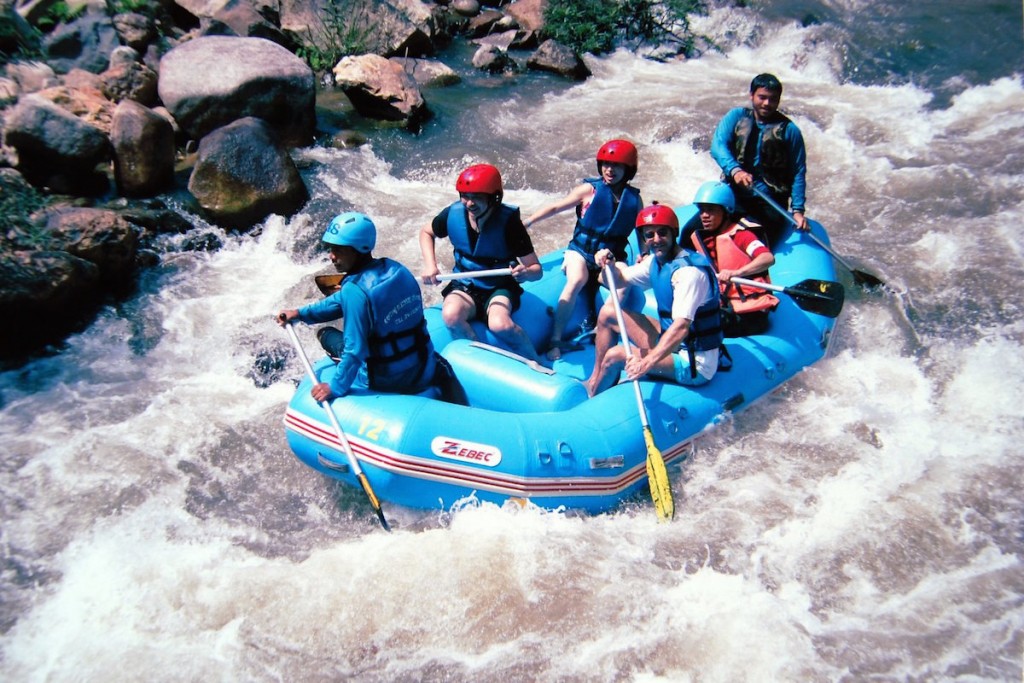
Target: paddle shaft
624, 339
817, 296
494, 272
657, 476
860, 275
353, 463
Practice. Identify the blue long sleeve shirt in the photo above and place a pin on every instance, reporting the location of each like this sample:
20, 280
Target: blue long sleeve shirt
352, 304
721, 151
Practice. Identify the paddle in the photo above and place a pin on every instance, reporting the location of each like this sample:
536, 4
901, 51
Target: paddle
328, 284
817, 296
657, 475
494, 272
352, 462
859, 276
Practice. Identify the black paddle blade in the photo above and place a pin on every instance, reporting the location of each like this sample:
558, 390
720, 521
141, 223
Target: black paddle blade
818, 296
866, 280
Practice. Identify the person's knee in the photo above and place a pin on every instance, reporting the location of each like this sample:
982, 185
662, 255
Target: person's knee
501, 325
453, 316
607, 316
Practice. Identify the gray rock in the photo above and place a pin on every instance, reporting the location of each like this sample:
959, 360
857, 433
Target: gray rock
84, 43
428, 72
240, 77
55, 148
381, 89
557, 58
45, 296
100, 236
243, 174
494, 60
143, 143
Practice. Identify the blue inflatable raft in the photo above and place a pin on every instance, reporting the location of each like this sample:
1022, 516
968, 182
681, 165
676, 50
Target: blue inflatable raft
530, 432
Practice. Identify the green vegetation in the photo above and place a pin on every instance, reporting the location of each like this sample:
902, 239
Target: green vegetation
123, 6
344, 30
60, 13
598, 26
18, 201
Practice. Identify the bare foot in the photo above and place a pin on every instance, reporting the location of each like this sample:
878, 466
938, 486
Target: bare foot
555, 352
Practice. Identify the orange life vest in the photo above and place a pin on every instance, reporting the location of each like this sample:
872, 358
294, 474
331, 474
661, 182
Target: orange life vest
728, 256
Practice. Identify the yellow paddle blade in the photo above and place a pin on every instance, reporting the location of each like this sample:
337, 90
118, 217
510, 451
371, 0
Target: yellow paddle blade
657, 476
330, 283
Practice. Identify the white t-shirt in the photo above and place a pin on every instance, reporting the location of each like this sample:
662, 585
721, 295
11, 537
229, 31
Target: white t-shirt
691, 287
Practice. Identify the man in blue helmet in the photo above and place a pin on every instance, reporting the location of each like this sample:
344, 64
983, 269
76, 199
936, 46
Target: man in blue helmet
385, 345
759, 147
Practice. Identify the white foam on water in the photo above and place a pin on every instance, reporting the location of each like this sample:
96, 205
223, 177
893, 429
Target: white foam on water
863, 522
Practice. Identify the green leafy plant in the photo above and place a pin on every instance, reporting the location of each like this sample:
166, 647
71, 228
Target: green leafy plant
598, 26
59, 13
18, 201
343, 29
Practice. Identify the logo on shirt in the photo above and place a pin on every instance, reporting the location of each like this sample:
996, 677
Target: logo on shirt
457, 449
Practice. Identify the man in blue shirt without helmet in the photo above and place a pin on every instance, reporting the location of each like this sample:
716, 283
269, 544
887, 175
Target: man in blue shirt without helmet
758, 146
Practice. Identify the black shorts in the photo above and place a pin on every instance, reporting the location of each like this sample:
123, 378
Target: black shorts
483, 297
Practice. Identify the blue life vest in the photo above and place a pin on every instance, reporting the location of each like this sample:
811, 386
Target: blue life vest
398, 341
491, 249
604, 225
706, 329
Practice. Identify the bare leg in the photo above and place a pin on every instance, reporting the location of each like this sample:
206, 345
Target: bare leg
456, 311
605, 343
499, 321
609, 356
576, 277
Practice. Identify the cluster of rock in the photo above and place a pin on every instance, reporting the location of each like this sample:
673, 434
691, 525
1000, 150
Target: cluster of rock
122, 108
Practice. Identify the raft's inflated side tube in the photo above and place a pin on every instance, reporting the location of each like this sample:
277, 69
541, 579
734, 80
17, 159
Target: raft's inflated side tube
495, 379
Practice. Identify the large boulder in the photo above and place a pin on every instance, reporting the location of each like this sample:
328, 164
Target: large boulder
404, 28
529, 14
100, 236
56, 149
45, 295
428, 72
242, 18
240, 77
83, 43
129, 80
143, 143
557, 58
381, 89
243, 174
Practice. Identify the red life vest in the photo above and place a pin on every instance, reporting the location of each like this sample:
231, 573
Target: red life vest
728, 256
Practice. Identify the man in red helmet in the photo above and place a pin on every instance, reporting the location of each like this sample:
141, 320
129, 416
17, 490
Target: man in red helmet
606, 209
683, 344
485, 234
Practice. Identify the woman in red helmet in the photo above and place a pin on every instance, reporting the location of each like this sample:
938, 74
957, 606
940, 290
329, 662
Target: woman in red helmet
485, 234
606, 210
683, 344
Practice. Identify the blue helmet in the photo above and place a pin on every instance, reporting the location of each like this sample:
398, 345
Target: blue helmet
352, 229
716, 192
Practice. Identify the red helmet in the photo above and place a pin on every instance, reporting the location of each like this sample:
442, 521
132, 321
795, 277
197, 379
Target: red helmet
620, 151
657, 214
480, 178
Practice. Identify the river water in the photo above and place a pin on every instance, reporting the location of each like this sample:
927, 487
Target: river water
863, 523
